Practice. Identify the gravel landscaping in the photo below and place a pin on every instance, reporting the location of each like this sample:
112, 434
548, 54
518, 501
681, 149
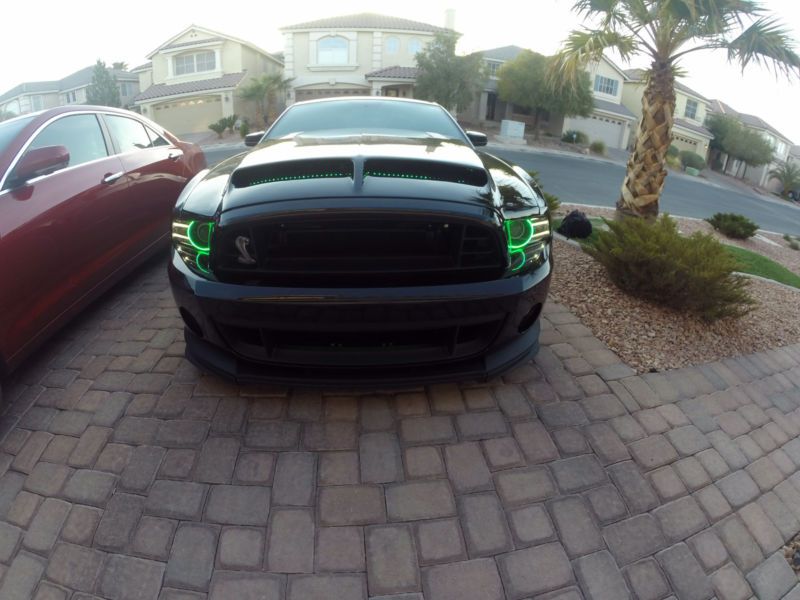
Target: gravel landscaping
648, 337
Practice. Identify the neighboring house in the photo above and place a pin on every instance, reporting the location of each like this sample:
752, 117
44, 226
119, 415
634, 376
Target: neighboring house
488, 106
38, 95
354, 55
691, 108
794, 155
609, 122
192, 79
73, 88
781, 145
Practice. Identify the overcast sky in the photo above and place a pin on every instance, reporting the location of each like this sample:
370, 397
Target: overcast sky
50, 39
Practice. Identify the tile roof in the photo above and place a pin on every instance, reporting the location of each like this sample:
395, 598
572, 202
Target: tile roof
84, 77
613, 107
193, 43
638, 75
505, 53
366, 21
147, 65
162, 90
30, 87
395, 73
696, 127
718, 106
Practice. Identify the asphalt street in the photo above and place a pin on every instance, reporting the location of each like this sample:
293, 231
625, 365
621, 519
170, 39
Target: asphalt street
583, 180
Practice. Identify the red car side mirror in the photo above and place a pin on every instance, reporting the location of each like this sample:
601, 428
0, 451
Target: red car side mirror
40, 161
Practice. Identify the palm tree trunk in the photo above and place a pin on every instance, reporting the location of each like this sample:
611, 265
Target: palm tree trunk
645, 176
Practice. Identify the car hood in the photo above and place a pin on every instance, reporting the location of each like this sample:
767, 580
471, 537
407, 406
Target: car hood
370, 166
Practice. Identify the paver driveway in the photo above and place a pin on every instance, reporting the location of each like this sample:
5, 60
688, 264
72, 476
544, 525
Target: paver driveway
126, 474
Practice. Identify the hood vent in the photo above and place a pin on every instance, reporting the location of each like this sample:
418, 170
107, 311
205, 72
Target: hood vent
424, 169
292, 171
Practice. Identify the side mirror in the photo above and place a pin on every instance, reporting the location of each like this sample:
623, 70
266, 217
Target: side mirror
40, 161
252, 139
477, 138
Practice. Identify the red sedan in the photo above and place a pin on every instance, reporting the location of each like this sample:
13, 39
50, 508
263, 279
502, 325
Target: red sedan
86, 194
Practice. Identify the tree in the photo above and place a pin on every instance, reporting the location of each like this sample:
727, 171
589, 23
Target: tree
524, 82
103, 91
119, 66
719, 125
263, 91
788, 174
748, 146
450, 80
665, 31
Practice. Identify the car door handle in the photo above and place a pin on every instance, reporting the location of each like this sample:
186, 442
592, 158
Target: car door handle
175, 154
112, 177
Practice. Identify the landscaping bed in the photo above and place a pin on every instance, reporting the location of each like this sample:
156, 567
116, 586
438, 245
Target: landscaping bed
649, 337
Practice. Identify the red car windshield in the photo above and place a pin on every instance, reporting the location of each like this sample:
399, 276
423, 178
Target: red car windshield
10, 129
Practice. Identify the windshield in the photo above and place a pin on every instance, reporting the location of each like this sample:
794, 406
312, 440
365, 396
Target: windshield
366, 116
10, 129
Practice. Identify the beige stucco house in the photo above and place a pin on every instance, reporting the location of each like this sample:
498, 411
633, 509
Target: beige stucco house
781, 145
192, 79
72, 89
691, 108
354, 55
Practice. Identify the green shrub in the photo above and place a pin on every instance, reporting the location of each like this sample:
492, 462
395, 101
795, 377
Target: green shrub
674, 162
573, 136
229, 122
597, 147
673, 151
794, 245
553, 203
244, 128
787, 237
690, 159
218, 127
651, 260
733, 225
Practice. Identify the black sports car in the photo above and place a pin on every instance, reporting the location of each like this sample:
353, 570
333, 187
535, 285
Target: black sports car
363, 240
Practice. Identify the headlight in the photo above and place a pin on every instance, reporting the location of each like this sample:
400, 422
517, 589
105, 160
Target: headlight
528, 242
192, 241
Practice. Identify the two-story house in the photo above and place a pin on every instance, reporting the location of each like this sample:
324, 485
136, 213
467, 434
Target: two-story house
691, 108
354, 55
488, 106
781, 145
72, 89
192, 79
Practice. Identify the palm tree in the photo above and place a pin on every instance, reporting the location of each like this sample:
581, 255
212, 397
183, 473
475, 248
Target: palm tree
789, 176
665, 31
264, 90
119, 66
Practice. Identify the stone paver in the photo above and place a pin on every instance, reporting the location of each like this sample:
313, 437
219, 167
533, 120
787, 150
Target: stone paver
126, 473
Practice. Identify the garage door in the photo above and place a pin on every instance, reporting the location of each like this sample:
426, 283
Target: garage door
608, 131
188, 115
301, 95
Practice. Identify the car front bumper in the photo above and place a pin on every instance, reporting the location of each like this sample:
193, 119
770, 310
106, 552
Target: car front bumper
360, 336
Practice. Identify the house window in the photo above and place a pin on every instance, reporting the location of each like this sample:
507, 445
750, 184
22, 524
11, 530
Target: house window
125, 88
493, 68
71, 97
606, 85
414, 46
392, 45
333, 50
691, 109
195, 63
37, 103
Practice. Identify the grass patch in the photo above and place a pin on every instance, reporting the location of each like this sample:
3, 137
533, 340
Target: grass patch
756, 264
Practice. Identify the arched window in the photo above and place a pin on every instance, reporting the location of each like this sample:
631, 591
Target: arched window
333, 50
414, 46
392, 45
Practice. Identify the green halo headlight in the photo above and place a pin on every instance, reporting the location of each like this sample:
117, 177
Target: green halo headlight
527, 240
192, 241
199, 234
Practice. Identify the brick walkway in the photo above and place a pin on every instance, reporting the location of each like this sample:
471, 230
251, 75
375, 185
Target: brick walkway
126, 474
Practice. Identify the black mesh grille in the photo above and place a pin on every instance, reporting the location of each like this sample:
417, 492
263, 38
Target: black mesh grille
358, 251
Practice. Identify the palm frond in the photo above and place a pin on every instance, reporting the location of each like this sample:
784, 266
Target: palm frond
768, 43
584, 46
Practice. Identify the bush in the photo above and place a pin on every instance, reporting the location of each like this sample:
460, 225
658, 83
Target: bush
651, 260
794, 245
553, 203
690, 159
244, 128
674, 162
229, 122
733, 225
218, 127
575, 137
673, 151
597, 147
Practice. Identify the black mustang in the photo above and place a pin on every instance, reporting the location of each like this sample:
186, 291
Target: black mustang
363, 240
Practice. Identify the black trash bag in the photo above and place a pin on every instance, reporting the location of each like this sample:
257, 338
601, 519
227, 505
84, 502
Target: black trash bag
575, 225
